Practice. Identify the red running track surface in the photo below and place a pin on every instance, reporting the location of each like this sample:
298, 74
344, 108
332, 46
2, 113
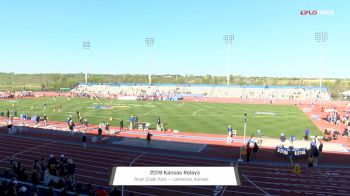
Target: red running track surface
94, 164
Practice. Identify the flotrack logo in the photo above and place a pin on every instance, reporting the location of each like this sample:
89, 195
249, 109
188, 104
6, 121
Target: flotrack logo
316, 12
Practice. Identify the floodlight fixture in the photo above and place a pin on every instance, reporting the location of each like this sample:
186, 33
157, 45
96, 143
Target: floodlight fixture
149, 43
229, 38
228, 41
86, 46
321, 37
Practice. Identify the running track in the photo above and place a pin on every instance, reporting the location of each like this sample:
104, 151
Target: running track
94, 164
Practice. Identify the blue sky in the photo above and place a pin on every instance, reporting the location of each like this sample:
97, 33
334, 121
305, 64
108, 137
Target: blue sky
271, 37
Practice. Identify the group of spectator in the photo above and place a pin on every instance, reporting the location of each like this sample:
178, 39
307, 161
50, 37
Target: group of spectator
169, 91
7, 95
315, 151
49, 172
338, 118
13, 187
55, 173
251, 147
14, 94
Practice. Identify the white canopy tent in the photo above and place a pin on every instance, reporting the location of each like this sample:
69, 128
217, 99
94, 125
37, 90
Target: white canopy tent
346, 94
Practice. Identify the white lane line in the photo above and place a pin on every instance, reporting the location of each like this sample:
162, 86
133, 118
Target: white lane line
29, 149
262, 190
130, 166
136, 159
223, 191
342, 147
150, 111
201, 148
194, 113
181, 105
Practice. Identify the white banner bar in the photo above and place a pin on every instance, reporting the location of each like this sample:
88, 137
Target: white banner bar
169, 176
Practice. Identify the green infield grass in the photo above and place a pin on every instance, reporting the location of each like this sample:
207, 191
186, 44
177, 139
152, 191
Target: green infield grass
183, 116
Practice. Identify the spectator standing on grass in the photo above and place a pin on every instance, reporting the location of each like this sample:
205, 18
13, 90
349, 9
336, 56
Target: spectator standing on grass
37, 119
71, 126
83, 140
107, 128
78, 115
306, 134
158, 121
86, 122
8, 113
282, 138
45, 120
69, 119
258, 135
229, 130
99, 131
15, 112
11, 119
121, 125
229, 134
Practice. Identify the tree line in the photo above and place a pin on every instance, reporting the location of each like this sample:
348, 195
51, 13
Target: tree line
55, 81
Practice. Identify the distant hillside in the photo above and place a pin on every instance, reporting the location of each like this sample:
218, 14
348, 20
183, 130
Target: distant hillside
54, 81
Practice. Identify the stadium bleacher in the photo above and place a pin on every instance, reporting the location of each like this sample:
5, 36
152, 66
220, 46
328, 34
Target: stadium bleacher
168, 91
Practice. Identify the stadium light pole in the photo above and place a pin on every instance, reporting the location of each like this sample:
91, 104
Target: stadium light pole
86, 46
13, 75
228, 42
321, 37
245, 127
149, 43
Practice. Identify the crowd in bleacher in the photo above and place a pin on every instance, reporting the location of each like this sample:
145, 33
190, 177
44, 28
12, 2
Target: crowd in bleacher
213, 91
6, 95
47, 177
19, 94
